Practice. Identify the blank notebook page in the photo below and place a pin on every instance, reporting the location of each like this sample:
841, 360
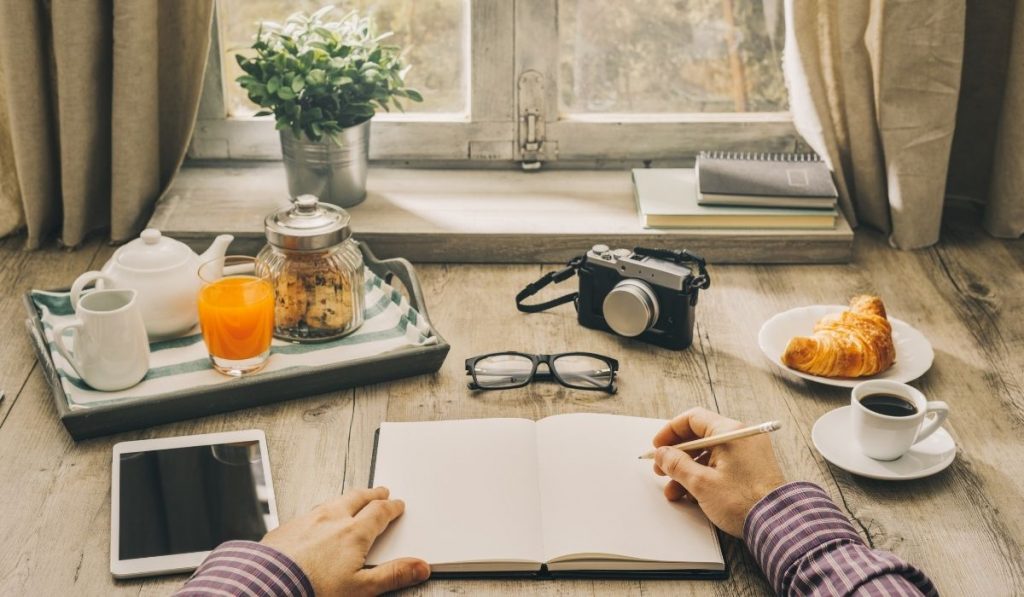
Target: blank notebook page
597, 497
470, 491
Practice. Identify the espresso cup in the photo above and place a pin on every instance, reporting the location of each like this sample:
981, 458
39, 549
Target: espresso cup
110, 348
889, 436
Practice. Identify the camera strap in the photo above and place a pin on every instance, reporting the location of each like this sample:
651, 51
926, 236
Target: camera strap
549, 278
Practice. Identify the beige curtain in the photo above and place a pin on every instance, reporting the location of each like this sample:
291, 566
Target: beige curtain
97, 103
1004, 214
873, 87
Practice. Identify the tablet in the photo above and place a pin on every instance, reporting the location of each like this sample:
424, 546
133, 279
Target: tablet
173, 500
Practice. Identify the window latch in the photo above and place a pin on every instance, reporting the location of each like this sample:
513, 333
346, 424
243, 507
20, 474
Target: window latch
533, 148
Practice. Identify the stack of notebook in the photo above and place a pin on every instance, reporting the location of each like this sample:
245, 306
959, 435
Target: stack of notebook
730, 190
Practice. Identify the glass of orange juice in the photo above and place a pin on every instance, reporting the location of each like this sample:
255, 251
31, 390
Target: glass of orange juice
236, 314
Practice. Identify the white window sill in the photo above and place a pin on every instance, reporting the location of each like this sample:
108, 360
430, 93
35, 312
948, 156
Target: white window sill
495, 216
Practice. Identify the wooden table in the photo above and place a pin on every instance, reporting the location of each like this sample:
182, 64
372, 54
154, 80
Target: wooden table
964, 527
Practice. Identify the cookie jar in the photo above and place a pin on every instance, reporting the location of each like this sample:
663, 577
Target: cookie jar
316, 269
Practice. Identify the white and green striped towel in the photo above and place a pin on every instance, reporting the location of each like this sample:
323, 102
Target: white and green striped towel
390, 323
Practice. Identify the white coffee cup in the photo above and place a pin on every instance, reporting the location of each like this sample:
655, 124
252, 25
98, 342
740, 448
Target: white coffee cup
887, 437
111, 349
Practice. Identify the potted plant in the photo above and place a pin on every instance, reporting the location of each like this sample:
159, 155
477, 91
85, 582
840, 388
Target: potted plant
323, 81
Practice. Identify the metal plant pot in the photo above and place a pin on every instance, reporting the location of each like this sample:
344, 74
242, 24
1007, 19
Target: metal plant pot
334, 170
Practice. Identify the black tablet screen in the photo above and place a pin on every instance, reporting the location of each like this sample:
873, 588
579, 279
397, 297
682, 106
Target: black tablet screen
185, 500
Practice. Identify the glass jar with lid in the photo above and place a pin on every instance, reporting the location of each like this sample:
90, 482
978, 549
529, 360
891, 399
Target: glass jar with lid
316, 269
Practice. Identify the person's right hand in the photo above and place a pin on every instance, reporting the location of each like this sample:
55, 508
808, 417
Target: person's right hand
736, 475
331, 541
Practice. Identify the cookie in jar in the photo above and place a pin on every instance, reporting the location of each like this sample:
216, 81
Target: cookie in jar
316, 269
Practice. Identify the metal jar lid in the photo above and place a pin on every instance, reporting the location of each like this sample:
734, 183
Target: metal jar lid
308, 225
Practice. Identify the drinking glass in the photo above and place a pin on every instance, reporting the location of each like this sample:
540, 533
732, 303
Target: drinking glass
236, 314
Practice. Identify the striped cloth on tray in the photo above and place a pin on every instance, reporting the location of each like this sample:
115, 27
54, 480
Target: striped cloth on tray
390, 323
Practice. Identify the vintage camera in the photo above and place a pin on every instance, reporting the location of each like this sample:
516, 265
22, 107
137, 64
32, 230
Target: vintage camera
648, 294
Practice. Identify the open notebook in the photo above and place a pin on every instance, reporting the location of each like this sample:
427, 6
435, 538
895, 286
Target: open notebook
565, 495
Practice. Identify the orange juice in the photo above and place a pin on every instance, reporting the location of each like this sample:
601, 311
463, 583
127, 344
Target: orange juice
237, 317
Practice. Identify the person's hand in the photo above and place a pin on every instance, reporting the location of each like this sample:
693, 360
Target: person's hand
330, 544
725, 481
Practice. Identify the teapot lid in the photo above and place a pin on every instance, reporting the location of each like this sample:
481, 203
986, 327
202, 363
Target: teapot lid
152, 251
308, 225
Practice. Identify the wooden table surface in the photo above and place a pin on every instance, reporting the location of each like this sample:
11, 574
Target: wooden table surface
964, 526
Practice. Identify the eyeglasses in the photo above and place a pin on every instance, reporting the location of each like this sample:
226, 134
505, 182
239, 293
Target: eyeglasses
578, 370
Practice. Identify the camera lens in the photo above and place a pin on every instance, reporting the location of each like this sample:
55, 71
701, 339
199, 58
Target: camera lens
631, 308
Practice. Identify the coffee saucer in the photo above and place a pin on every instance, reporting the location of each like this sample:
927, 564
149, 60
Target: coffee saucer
833, 437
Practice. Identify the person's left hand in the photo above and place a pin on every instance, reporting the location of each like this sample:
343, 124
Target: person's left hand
331, 541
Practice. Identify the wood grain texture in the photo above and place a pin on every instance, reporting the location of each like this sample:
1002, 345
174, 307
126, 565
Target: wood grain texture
964, 526
475, 217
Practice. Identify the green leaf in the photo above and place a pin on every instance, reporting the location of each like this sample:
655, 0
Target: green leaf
316, 77
285, 93
413, 95
298, 83
263, 113
273, 84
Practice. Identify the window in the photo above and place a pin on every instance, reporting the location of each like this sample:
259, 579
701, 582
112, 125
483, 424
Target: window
542, 81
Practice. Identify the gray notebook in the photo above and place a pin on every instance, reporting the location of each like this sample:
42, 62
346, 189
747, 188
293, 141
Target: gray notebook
765, 180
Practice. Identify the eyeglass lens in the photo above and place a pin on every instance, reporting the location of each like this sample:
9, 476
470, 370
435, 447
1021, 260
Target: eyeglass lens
503, 371
582, 371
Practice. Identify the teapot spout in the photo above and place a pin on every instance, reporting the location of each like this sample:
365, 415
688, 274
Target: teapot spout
218, 248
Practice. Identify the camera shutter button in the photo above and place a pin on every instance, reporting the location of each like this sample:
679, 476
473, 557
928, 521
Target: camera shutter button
631, 308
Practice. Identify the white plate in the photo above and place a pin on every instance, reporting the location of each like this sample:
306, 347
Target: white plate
914, 354
833, 437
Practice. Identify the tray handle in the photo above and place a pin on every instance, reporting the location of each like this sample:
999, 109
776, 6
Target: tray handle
401, 268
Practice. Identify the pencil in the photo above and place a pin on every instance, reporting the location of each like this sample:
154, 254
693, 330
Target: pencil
714, 440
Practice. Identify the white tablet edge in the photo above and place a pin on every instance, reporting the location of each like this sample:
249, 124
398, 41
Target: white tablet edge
182, 562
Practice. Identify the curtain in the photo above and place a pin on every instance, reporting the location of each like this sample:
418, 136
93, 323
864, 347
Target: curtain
873, 88
98, 99
1004, 214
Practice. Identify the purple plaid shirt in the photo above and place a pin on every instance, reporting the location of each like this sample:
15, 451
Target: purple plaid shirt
247, 568
803, 542
806, 546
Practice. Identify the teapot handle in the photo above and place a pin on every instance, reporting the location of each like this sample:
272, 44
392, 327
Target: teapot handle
84, 280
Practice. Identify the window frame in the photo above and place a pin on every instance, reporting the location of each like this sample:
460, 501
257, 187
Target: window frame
506, 39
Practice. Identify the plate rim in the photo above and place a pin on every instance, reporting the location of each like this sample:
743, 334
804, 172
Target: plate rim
927, 472
835, 382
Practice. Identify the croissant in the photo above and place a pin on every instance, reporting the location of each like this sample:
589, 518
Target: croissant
853, 343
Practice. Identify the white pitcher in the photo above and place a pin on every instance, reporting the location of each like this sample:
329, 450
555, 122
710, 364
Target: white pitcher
110, 349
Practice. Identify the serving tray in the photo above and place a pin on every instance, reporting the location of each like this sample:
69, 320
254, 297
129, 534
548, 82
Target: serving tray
255, 390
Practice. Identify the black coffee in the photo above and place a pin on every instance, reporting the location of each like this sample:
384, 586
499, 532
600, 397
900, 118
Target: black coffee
889, 404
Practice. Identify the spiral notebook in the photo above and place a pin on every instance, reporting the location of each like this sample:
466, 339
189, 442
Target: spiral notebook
800, 180
562, 496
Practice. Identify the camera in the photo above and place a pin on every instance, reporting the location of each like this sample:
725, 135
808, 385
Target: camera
647, 294
639, 295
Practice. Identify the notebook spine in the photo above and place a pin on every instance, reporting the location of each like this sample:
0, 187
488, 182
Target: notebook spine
754, 156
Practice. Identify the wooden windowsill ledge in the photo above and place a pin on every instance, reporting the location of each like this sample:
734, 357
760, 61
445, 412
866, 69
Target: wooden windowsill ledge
473, 216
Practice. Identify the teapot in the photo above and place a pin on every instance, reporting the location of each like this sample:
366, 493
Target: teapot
164, 273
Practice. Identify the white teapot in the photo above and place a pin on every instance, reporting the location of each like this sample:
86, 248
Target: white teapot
165, 274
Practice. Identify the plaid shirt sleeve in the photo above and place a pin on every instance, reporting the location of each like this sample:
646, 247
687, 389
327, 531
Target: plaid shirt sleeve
247, 569
806, 546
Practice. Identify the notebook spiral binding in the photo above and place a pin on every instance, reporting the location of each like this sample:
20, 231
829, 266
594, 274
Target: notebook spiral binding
760, 156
